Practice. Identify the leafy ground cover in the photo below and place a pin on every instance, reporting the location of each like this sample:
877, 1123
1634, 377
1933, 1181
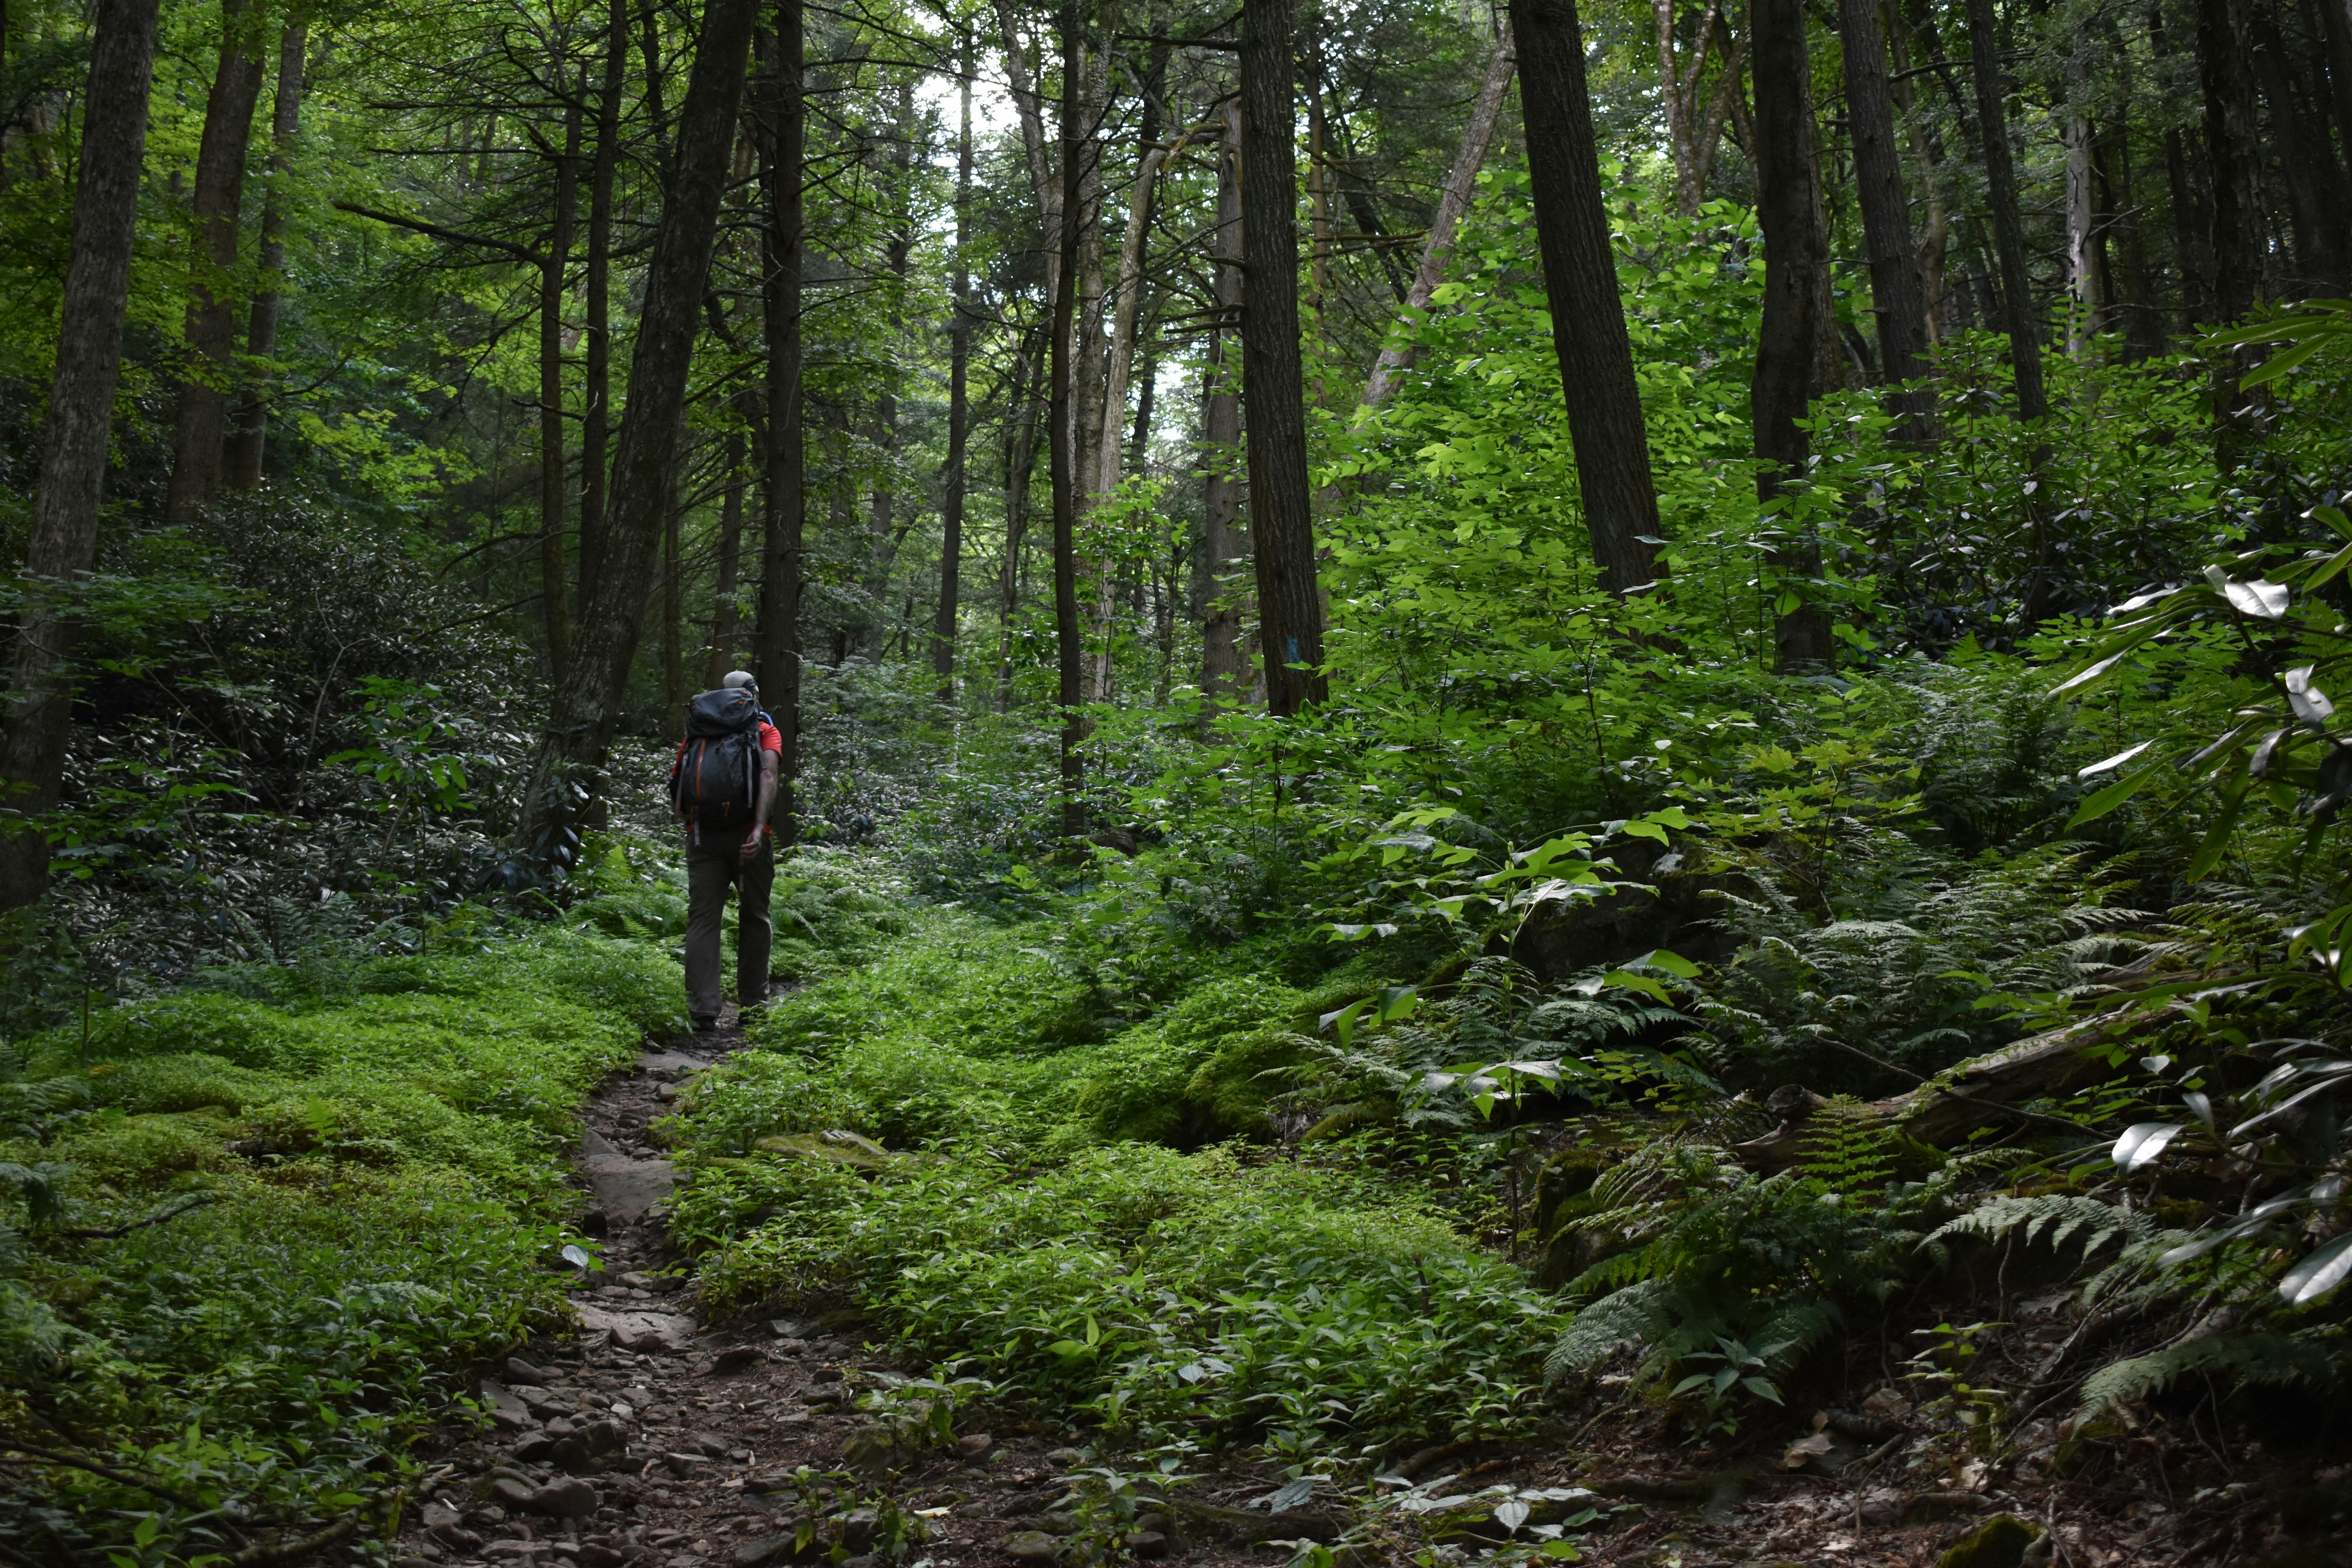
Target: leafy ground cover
256, 1235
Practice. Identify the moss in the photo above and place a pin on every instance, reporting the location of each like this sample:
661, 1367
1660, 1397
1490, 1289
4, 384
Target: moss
1999, 1543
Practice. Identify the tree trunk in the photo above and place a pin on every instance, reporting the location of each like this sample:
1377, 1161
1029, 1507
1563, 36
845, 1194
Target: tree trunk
554, 570
63, 539
1927, 153
1221, 542
200, 430
596, 377
1795, 255
1694, 129
726, 619
2235, 157
1897, 295
1588, 319
2308, 171
883, 532
943, 623
247, 444
673, 612
2008, 225
2081, 267
1452, 204
1028, 104
1020, 459
1062, 433
1282, 525
588, 698
784, 504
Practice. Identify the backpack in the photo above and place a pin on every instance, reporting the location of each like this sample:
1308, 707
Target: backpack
716, 779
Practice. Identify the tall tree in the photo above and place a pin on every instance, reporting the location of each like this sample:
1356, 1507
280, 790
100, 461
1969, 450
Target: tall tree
588, 695
200, 428
63, 539
1061, 423
726, 619
943, 623
597, 330
1796, 254
782, 173
1897, 295
2019, 316
554, 266
1282, 522
1696, 111
2233, 153
1221, 542
250, 437
1588, 319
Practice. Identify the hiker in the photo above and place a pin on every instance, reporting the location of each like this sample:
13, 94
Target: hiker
723, 786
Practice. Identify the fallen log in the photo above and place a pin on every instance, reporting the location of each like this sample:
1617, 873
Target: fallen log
1991, 1088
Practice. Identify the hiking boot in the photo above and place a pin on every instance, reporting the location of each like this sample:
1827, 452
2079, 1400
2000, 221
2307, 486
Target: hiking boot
706, 1025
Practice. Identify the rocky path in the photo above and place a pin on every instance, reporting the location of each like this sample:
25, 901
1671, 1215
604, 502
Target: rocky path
653, 1439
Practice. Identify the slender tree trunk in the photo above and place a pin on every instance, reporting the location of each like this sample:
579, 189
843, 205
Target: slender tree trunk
673, 614
2336, 21
200, 430
1282, 523
1028, 104
1588, 319
1020, 459
1453, 204
1061, 425
2078, 133
1927, 154
2314, 218
588, 696
2234, 153
1897, 295
883, 535
63, 539
246, 445
726, 619
2007, 224
783, 156
554, 569
1694, 129
1221, 542
596, 372
1795, 255
943, 623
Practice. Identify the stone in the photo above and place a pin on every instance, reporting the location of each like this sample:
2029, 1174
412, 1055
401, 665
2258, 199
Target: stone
516, 1549
682, 1466
973, 1444
2001, 1542
1031, 1546
1058, 1523
761, 1552
858, 1529
520, 1371
508, 1492
711, 1445
457, 1538
510, 1412
534, 1447
606, 1439
1930, 1508
789, 1328
866, 1560
571, 1498
573, 1456
436, 1514
597, 1554
628, 1190
646, 1331
735, 1359
669, 1063
1065, 1457
1147, 1544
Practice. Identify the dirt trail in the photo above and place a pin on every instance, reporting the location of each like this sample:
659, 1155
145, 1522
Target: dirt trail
653, 1439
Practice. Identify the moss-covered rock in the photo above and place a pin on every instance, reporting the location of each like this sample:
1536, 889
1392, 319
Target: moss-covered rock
1999, 1543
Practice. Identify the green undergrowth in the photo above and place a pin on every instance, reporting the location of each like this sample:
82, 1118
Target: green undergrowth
254, 1234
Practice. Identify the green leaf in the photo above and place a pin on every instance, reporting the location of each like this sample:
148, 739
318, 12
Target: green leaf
1626, 981
2113, 796
2217, 837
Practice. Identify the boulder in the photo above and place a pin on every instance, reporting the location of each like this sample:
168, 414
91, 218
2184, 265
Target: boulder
568, 1499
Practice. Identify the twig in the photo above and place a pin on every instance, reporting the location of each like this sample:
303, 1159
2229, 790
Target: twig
109, 1233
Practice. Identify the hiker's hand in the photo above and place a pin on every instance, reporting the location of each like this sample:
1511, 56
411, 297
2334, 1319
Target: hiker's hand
752, 841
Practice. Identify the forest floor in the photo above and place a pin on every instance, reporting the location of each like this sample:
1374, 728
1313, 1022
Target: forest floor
653, 1438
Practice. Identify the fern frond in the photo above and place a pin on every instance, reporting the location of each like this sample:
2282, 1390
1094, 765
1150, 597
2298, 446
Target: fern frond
2261, 1361
2064, 1215
1630, 1317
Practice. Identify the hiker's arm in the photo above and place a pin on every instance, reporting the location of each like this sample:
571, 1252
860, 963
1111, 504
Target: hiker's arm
762, 805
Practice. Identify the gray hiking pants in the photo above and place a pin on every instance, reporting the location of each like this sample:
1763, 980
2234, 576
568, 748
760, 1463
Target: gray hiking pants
714, 863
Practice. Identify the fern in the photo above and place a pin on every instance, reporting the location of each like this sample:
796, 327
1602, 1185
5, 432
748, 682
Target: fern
2263, 1360
1623, 1319
1848, 1148
2063, 1216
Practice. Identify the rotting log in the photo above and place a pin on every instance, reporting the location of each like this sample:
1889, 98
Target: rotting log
1995, 1087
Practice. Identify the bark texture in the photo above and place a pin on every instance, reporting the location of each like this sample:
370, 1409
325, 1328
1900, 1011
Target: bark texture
1282, 531
1588, 319
200, 427
1222, 545
596, 331
249, 441
1898, 295
554, 572
784, 140
2017, 309
63, 537
1062, 462
1796, 258
943, 623
588, 696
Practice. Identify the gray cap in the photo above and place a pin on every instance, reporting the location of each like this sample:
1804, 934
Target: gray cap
734, 677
